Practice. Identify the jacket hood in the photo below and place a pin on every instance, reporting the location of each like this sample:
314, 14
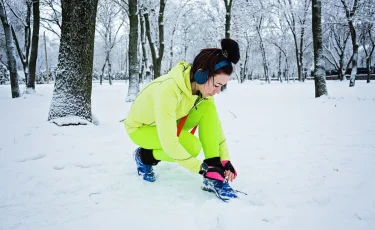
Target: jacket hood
180, 73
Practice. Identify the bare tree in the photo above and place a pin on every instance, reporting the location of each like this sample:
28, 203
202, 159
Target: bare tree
337, 40
157, 48
296, 21
10, 51
72, 92
228, 16
108, 30
28, 59
133, 52
144, 60
34, 46
367, 38
350, 13
51, 19
319, 70
258, 28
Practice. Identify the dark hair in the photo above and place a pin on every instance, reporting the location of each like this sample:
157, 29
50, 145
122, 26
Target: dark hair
208, 58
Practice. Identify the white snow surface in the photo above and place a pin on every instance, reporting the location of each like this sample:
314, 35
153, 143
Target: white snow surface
305, 163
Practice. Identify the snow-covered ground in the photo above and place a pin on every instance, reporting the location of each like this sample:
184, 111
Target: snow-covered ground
305, 163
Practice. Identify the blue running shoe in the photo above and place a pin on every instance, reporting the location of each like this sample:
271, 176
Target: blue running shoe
143, 170
221, 189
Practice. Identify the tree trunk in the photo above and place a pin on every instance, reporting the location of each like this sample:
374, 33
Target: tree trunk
368, 67
109, 71
263, 51
301, 53
10, 51
133, 52
354, 66
46, 57
161, 37
151, 43
143, 44
157, 54
369, 55
246, 60
72, 92
299, 69
349, 16
340, 70
319, 70
103, 68
30, 87
228, 9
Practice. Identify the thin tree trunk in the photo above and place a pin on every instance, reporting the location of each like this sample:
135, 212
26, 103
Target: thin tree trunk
228, 15
228, 7
143, 44
161, 36
368, 67
30, 87
102, 75
171, 50
279, 68
301, 53
133, 52
109, 71
152, 44
262, 49
72, 92
319, 70
45, 53
10, 51
369, 55
349, 16
157, 54
245, 71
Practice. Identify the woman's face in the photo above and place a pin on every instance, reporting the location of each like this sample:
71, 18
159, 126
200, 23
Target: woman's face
213, 85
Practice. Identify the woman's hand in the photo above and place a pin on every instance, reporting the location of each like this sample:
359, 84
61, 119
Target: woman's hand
229, 176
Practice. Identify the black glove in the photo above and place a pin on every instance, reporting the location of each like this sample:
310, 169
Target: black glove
228, 166
214, 162
213, 169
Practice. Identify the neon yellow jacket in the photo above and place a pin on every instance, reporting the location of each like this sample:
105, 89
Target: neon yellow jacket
164, 101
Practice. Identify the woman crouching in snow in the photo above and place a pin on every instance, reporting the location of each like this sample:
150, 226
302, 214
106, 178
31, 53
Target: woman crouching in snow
162, 114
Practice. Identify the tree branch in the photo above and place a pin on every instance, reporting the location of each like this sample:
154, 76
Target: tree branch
15, 14
21, 55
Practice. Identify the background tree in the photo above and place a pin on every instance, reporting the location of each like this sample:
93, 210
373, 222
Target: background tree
73, 85
296, 16
319, 70
156, 46
30, 43
228, 16
133, 51
51, 19
108, 27
34, 46
350, 13
10, 51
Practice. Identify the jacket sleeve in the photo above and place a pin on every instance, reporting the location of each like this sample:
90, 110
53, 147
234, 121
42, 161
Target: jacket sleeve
165, 105
223, 149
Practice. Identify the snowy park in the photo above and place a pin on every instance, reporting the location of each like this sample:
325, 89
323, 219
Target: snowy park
100, 101
305, 163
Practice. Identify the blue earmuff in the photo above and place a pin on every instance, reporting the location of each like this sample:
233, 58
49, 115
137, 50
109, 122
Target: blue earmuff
201, 77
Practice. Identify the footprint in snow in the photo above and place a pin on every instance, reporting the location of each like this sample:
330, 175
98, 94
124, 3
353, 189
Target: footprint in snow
33, 158
83, 166
58, 167
86, 166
